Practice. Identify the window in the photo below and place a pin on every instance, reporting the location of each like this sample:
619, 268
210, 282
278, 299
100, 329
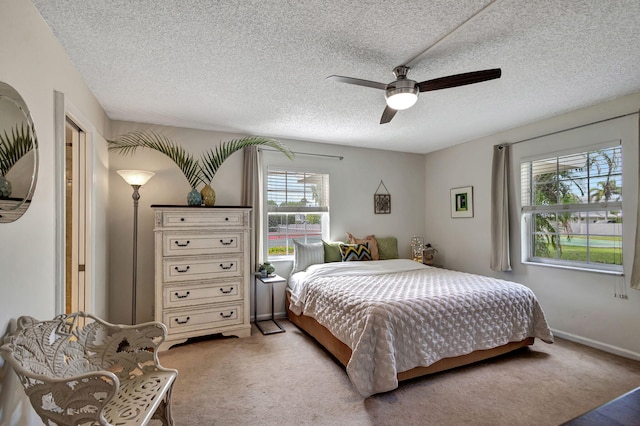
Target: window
572, 209
297, 208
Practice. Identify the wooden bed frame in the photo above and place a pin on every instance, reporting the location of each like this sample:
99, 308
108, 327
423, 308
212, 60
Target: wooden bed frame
342, 352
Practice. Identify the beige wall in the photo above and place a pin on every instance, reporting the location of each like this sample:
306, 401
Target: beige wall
580, 305
35, 65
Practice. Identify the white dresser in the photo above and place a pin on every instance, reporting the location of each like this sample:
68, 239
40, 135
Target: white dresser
202, 271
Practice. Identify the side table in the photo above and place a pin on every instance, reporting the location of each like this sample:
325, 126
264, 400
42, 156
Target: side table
269, 281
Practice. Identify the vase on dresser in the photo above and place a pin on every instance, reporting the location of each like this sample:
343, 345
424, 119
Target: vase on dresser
208, 195
202, 270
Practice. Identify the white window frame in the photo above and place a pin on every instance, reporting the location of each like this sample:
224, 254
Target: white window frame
319, 208
528, 210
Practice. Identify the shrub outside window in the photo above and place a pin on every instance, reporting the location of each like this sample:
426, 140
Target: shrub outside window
572, 209
297, 208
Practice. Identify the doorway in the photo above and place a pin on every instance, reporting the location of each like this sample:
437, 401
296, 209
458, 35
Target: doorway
76, 285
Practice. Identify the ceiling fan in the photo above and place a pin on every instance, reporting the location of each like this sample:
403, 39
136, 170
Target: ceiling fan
403, 93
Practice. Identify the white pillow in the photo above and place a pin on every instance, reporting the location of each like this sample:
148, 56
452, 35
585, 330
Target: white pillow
306, 254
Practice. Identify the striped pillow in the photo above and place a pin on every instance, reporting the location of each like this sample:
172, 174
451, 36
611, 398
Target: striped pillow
306, 254
353, 252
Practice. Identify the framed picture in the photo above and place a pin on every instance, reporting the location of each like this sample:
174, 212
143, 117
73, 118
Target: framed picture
462, 202
382, 203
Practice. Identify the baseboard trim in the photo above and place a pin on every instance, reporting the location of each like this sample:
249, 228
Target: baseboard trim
598, 345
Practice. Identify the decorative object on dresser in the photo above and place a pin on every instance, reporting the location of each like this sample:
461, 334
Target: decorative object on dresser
78, 369
202, 271
135, 178
196, 171
462, 202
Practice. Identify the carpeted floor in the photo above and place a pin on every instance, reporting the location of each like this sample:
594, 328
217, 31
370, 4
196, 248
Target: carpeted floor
288, 379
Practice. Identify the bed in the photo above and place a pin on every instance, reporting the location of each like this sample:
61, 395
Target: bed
391, 320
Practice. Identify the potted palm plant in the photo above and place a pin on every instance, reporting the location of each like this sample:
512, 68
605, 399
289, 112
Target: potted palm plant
12, 148
196, 171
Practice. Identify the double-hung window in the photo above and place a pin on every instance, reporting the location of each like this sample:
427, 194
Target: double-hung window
297, 208
572, 209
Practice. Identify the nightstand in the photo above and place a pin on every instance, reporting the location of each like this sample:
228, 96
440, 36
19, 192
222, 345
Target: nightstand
268, 281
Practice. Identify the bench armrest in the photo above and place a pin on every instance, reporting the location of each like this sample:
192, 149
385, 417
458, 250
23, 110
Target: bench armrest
81, 398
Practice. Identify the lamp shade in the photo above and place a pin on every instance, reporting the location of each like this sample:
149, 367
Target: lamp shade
135, 177
400, 101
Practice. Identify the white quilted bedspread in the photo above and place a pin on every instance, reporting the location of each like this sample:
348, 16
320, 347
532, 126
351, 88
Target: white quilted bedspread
398, 314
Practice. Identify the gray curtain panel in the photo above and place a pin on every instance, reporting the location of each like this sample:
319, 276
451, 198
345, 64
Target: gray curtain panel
251, 184
635, 272
500, 253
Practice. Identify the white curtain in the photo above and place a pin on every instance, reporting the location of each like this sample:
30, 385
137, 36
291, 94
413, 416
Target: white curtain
500, 253
251, 196
635, 272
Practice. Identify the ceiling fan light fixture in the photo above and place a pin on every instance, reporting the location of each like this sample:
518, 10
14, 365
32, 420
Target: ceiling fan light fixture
400, 101
402, 94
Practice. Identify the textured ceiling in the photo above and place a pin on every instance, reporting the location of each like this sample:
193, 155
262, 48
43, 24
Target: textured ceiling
259, 67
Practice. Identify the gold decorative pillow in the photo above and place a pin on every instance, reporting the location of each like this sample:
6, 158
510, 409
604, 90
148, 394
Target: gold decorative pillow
370, 240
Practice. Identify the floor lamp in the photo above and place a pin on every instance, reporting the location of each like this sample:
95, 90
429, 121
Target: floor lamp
135, 178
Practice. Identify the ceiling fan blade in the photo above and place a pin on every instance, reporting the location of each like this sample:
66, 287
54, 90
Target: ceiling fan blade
459, 79
357, 81
387, 115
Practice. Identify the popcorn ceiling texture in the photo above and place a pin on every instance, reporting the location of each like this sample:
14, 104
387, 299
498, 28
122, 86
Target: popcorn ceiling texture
260, 67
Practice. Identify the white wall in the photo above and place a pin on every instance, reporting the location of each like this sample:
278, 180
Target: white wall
35, 65
353, 181
579, 305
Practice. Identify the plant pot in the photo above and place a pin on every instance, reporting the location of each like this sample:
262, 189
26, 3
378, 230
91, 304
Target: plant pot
208, 195
194, 198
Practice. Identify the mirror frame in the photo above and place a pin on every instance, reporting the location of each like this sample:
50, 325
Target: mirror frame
12, 209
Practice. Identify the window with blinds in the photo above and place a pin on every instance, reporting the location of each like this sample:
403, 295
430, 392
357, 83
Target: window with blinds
572, 209
297, 208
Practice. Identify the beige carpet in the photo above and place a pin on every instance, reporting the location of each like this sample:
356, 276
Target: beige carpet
288, 379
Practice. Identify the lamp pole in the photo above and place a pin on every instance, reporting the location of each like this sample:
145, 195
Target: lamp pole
135, 178
134, 278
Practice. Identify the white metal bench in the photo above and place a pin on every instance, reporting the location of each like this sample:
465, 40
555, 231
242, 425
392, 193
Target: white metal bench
93, 374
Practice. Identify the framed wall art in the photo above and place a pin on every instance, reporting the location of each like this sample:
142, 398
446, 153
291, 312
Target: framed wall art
381, 202
462, 202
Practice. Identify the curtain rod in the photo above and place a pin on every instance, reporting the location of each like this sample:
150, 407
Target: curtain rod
339, 157
571, 128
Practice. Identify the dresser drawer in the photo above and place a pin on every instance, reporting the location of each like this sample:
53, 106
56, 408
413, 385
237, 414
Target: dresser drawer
179, 243
201, 268
175, 296
203, 318
204, 218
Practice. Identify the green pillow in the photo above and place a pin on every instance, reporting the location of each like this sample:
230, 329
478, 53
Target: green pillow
332, 251
387, 248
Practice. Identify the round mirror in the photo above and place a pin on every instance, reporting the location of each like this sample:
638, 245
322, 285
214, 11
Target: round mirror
18, 155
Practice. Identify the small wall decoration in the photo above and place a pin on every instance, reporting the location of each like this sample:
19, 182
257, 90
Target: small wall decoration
381, 201
462, 202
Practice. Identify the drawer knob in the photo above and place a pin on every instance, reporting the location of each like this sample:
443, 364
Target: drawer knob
183, 322
227, 243
226, 218
226, 316
182, 270
182, 296
179, 244
227, 291
226, 267
182, 219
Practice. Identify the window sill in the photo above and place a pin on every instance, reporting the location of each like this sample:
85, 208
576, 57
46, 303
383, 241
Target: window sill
575, 268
